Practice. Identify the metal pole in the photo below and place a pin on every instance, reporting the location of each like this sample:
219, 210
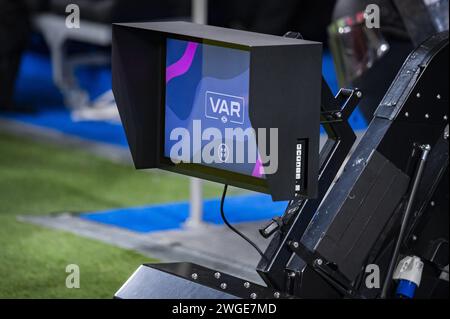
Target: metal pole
200, 11
416, 182
195, 219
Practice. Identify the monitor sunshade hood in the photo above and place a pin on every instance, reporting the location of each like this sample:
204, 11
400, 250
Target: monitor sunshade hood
181, 88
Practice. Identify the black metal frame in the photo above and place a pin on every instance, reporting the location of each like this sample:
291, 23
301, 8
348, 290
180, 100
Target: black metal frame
341, 137
335, 112
287, 266
296, 262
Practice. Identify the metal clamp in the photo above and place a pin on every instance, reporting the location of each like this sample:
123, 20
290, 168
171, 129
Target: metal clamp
325, 269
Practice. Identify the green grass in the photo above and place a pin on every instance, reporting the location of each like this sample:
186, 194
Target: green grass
37, 178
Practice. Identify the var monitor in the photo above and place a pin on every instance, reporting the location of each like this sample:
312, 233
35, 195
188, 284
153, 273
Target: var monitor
228, 106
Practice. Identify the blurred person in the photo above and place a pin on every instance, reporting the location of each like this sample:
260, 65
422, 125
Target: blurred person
14, 32
369, 58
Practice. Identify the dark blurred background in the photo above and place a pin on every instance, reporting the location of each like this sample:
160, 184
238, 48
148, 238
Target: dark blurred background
63, 148
366, 58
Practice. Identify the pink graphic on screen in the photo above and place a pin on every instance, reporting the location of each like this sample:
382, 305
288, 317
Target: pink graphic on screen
182, 65
257, 169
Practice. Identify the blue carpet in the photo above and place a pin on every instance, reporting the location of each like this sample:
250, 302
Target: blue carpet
35, 87
242, 208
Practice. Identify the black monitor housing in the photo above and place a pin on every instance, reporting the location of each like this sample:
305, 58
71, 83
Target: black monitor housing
389, 191
284, 92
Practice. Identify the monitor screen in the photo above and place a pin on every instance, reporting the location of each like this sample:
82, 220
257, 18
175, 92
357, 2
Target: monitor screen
228, 106
206, 113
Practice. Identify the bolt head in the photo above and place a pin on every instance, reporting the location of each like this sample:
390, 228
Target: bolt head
359, 94
253, 295
445, 117
427, 116
217, 275
223, 286
438, 96
432, 203
247, 284
426, 147
319, 262
418, 95
295, 244
194, 276
406, 114
276, 295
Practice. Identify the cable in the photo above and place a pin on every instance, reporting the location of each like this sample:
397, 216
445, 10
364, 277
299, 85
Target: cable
405, 220
222, 213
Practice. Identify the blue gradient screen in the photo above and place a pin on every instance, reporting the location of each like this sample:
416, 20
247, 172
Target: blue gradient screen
208, 85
